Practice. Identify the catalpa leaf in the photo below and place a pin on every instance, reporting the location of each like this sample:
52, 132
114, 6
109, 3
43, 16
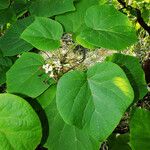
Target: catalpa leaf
108, 28
61, 135
47, 97
96, 99
44, 34
140, 129
11, 44
134, 72
27, 77
49, 8
20, 127
72, 21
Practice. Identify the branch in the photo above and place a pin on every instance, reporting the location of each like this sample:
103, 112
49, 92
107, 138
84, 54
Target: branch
140, 20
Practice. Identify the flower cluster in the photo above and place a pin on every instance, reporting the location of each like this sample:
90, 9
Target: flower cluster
53, 68
62, 60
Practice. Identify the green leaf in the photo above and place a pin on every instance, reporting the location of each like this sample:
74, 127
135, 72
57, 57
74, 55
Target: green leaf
72, 21
134, 72
96, 99
5, 64
11, 43
108, 28
4, 4
43, 33
20, 7
146, 13
47, 97
27, 77
20, 127
49, 8
61, 135
6, 16
119, 142
140, 130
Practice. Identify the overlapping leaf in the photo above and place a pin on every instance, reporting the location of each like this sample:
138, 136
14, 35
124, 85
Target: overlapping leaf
47, 97
61, 135
11, 43
96, 99
49, 8
20, 127
20, 7
43, 33
6, 16
72, 21
134, 72
27, 77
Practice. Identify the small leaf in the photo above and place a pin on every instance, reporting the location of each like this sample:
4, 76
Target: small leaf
11, 43
108, 28
96, 99
43, 33
140, 130
49, 8
27, 77
134, 72
20, 127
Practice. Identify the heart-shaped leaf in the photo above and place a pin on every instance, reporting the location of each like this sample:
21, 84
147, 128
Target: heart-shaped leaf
108, 28
49, 8
96, 99
134, 72
27, 77
20, 127
43, 33
61, 135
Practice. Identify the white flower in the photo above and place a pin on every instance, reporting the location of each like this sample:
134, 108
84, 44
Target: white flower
50, 68
57, 63
47, 68
63, 51
66, 65
51, 75
46, 71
